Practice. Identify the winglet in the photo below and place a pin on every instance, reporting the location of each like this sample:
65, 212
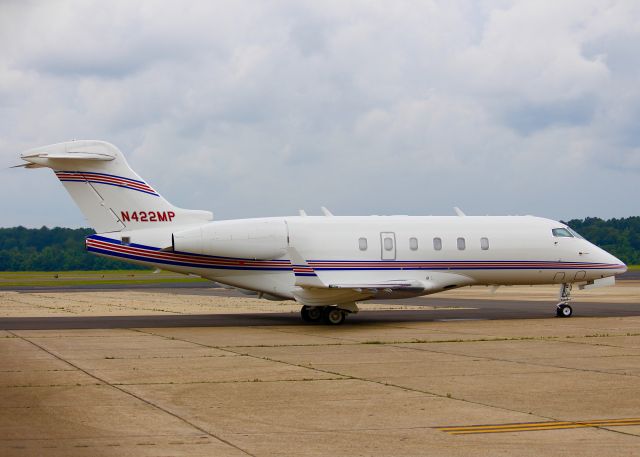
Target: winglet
305, 275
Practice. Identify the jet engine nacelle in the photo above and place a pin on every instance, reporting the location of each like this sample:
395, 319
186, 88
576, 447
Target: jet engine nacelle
257, 239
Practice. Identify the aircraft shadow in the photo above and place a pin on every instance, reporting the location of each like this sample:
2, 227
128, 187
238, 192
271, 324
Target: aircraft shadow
475, 311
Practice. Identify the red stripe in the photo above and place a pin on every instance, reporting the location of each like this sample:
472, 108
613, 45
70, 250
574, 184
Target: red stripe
106, 179
115, 180
495, 264
98, 175
283, 263
109, 181
181, 257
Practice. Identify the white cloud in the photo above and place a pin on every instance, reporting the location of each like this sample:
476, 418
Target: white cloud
258, 108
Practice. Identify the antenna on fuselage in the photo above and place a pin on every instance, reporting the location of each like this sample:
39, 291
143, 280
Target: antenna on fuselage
325, 211
458, 211
302, 212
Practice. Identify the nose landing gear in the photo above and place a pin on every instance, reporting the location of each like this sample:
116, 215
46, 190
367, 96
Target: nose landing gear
563, 309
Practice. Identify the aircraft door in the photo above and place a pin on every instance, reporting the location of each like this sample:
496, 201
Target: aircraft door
388, 245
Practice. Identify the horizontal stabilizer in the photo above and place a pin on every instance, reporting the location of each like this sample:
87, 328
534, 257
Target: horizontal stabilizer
28, 165
42, 158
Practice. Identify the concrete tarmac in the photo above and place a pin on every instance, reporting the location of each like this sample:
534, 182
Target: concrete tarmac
455, 377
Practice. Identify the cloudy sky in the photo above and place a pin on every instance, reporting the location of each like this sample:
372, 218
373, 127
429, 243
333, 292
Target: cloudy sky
256, 108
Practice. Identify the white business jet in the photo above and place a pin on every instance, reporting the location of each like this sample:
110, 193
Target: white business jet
325, 263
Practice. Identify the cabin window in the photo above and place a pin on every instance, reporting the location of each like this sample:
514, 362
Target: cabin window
484, 243
388, 244
437, 244
562, 233
362, 244
461, 244
413, 244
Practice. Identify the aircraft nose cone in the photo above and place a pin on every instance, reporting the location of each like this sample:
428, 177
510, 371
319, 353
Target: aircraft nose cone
623, 266
613, 260
613, 264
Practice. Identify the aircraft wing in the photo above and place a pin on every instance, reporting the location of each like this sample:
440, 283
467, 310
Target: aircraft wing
387, 286
312, 290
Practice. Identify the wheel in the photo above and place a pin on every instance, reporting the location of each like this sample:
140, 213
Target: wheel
333, 316
311, 313
564, 311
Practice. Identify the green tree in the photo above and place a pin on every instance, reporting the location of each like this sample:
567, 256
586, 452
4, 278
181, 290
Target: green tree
57, 249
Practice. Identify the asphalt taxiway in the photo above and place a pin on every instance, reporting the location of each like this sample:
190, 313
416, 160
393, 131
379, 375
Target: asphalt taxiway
444, 310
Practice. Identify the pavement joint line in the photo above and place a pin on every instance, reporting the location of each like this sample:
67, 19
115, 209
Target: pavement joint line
20, 302
138, 397
372, 381
105, 437
243, 381
497, 359
353, 342
594, 343
523, 412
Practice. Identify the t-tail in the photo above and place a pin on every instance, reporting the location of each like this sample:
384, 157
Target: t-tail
112, 197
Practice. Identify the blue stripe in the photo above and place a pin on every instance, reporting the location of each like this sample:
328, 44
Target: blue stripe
286, 266
449, 268
204, 256
180, 263
104, 174
447, 261
108, 184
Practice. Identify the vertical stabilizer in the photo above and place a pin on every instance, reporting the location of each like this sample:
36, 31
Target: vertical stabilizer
109, 193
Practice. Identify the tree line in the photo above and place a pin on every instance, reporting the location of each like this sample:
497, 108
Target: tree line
56, 249
62, 249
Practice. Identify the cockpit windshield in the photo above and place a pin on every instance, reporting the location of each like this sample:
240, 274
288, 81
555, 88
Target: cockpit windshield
574, 233
561, 232
566, 232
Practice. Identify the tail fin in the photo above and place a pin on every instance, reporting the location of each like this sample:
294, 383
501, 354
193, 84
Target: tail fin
110, 194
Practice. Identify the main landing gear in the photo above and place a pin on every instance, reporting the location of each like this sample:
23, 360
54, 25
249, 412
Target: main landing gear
563, 309
331, 315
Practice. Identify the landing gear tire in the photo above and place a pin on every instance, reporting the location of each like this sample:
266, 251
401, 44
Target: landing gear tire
333, 316
311, 313
564, 311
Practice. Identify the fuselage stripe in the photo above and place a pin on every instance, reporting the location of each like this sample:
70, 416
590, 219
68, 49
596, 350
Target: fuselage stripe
107, 246
100, 178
